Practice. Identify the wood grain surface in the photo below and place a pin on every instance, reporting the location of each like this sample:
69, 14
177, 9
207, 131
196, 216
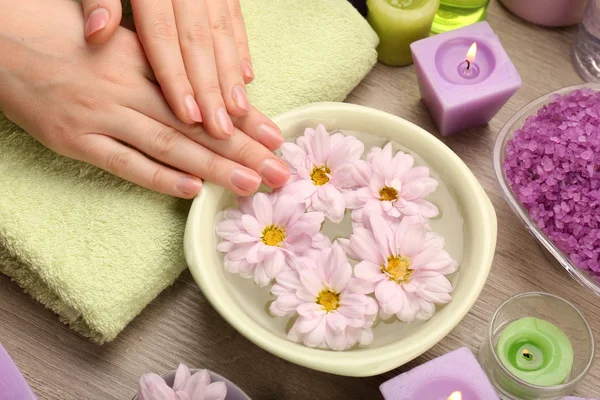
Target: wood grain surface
181, 326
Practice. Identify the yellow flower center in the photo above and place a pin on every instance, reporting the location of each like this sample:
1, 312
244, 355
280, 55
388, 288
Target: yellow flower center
319, 175
398, 269
329, 299
272, 235
388, 194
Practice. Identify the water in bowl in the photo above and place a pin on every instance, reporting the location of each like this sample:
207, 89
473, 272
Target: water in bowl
449, 223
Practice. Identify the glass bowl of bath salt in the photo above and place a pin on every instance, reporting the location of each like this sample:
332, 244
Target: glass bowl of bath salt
467, 220
547, 164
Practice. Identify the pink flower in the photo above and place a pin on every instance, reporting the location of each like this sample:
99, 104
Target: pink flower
186, 386
320, 291
390, 186
321, 169
405, 266
265, 233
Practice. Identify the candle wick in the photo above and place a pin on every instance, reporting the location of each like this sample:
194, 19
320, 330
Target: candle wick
468, 64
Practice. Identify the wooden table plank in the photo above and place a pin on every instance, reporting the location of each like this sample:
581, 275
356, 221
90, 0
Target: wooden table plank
180, 326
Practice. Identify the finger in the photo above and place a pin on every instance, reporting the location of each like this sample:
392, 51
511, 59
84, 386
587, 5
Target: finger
131, 165
177, 150
196, 42
260, 128
102, 19
227, 58
241, 39
246, 151
155, 23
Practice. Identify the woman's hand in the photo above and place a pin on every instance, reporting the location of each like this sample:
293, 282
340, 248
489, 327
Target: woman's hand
198, 50
100, 105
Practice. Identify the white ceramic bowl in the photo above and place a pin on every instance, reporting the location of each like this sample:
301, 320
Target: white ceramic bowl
245, 306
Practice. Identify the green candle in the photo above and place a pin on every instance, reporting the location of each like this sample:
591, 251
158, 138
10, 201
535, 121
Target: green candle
454, 14
399, 23
536, 351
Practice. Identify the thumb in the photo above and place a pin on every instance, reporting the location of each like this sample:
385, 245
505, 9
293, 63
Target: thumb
102, 18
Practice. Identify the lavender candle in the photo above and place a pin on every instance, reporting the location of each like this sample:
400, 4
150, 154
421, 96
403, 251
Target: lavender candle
465, 77
12, 383
453, 376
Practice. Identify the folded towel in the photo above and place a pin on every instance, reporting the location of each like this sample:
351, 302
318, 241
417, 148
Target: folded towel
95, 249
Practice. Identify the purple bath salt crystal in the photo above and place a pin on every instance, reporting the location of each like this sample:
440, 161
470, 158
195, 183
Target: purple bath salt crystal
552, 165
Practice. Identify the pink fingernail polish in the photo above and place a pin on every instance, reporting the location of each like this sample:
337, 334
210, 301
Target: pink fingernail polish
224, 122
97, 20
247, 70
269, 136
193, 111
245, 179
274, 172
240, 98
189, 185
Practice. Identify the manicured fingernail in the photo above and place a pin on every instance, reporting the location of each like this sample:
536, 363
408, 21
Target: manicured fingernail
247, 70
245, 179
269, 136
274, 172
97, 20
189, 185
240, 98
224, 122
193, 111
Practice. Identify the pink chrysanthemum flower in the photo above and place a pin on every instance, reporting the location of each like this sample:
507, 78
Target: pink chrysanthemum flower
390, 186
186, 386
405, 265
265, 233
320, 291
321, 169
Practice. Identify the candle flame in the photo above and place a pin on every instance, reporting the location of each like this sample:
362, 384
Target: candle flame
455, 396
472, 53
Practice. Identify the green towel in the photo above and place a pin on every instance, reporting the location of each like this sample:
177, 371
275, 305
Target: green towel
95, 249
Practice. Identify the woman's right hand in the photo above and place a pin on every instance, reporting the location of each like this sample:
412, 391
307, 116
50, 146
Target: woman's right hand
101, 105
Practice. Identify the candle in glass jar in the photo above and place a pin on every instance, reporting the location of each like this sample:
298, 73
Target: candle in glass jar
465, 77
536, 351
398, 23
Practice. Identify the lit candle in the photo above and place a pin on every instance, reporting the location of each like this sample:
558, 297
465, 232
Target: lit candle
465, 77
398, 23
453, 376
536, 351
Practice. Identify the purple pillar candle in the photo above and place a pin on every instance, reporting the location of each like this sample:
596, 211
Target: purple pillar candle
453, 376
578, 398
465, 76
12, 384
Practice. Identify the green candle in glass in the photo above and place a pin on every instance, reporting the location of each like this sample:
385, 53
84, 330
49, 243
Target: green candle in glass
398, 23
454, 14
536, 351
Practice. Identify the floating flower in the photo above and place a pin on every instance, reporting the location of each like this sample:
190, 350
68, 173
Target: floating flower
186, 386
321, 169
320, 291
405, 265
265, 233
390, 186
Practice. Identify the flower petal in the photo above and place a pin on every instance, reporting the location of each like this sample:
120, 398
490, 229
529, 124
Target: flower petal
260, 276
215, 391
369, 271
154, 387
427, 209
386, 290
195, 385
347, 299
255, 253
252, 226
319, 146
329, 200
341, 270
307, 324
364, 245
410, 237
180, 395
336, 340
263, 209
240, 251
226, 228
274, 264
317, 335
336, 321
182, 373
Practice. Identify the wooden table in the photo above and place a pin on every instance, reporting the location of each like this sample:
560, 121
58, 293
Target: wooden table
181, 326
